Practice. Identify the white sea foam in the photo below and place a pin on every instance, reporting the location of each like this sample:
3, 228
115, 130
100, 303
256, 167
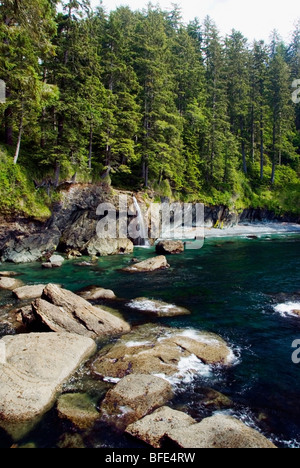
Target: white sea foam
150, 306
137, 344
113, 380
198, 336
287, 308
189, 368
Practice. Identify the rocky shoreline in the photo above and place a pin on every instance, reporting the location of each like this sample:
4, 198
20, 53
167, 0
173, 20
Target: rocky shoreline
72, 228
145, 366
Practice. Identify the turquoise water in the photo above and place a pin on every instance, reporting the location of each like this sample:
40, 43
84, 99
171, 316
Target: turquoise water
230, 286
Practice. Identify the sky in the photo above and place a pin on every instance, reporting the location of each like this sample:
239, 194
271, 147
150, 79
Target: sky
254, 18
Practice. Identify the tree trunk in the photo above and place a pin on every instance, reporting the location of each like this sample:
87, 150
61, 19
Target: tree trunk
57, 173
8, 115
252, 136
17, 153
91, 147
261, 147
245, 169
274, 155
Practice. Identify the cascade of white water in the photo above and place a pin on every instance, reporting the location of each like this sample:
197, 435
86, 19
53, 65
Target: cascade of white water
143, 240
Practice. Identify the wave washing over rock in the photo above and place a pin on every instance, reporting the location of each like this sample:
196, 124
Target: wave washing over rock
288, 309
178, 356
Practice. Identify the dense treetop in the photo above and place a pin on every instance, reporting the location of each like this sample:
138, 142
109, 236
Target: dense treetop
148, 102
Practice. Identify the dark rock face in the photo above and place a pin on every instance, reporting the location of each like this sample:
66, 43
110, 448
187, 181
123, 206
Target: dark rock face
72, 226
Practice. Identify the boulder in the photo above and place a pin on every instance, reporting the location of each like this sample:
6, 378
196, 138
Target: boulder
29, 292
94, 293
25, 249
213, 399
57, 320
56, 261
34, 368
105, 247
10, 284
134, 397
152, 264
72, 312
79, 409
157, 308
154, 428
219, 431
47, 265
170, 247
163, 351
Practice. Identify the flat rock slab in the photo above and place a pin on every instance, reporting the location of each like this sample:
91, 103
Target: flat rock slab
32, 369
154, 428
29, 292
134, 397
62, 310
157, 308
153, 264
219, 432
175, 354
9, 274
9, 284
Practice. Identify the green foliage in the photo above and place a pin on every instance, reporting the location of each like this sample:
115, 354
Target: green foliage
17, 194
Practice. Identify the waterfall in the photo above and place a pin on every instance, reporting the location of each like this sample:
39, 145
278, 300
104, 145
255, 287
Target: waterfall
143, 239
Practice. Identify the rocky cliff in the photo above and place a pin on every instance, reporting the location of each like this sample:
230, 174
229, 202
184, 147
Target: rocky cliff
73, 225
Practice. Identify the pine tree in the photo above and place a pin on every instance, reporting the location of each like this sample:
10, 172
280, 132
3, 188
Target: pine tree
122, 112
219, 160
238, 88
161, 141
259, 103
283, 113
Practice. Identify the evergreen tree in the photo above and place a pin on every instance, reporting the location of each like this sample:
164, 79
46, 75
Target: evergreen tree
123, 111
161, 142
282, 111
237, 56
220, 160
259, 102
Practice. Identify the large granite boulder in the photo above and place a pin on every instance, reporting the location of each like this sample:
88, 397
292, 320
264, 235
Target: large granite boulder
154, 428
32, 369
219, 431
62, 310
133, 398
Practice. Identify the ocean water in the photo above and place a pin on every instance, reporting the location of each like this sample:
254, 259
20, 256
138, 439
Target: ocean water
237, 288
